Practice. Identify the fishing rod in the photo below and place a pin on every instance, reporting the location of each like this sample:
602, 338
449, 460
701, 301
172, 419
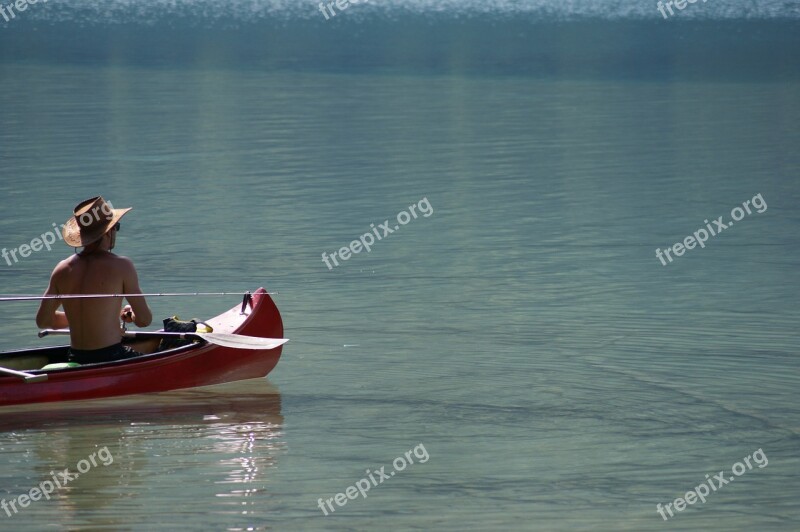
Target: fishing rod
25, 297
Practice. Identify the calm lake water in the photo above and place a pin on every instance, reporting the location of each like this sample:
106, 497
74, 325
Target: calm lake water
523, 338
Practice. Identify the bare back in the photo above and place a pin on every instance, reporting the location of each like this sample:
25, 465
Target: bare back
94, 322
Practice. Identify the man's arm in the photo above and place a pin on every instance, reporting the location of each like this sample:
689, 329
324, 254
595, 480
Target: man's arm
48, 315
142, 316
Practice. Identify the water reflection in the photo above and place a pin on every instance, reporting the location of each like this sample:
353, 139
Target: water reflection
187, 453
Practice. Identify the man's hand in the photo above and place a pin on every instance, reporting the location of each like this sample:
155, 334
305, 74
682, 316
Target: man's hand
126, 314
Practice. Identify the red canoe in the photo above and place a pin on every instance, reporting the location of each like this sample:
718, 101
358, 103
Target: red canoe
198, 364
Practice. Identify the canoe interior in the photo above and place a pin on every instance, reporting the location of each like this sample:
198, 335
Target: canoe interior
33, 360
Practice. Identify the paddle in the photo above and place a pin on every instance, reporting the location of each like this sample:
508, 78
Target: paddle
27, 377
236, 341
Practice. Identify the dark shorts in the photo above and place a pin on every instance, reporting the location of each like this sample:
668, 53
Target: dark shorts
105, 354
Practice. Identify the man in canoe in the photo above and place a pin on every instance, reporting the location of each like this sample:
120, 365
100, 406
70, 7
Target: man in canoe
94, 323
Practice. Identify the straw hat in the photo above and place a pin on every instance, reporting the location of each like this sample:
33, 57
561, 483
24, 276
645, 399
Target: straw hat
90, 221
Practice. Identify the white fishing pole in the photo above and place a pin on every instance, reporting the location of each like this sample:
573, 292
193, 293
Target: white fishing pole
26, 297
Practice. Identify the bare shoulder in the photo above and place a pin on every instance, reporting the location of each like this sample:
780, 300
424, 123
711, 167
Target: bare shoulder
124, 264
59, 279
65, 265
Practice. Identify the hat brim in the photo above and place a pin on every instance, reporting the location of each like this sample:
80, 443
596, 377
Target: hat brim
74, 237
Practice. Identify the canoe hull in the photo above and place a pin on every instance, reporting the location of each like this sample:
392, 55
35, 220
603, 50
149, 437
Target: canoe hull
186, 367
